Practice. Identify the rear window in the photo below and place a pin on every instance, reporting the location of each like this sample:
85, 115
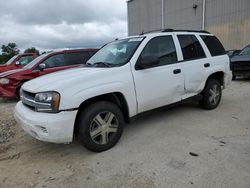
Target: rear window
214, 45
191, 47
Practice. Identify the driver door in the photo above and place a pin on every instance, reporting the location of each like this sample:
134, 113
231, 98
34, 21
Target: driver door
162, 84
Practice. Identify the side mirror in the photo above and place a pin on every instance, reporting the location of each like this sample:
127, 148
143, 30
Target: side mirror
147, 62
42, 66
236, 52
17, 63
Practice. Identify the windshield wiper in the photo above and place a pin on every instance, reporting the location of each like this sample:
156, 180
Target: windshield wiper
102, 64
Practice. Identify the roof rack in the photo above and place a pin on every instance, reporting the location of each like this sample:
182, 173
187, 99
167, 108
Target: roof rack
174, 30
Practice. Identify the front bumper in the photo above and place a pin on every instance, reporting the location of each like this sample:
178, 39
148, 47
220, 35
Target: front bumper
7, 92
241, 68
55, 128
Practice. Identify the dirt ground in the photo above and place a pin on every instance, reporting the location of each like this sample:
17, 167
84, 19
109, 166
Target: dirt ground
154, 150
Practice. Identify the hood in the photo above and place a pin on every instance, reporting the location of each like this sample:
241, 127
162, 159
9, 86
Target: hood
240, 58
3, 65
9, 73
64, 79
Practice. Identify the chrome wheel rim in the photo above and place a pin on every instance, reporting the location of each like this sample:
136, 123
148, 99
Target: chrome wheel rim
103, 128
214, 95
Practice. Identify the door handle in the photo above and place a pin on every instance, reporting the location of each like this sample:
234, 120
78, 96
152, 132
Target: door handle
207, 65
177, 71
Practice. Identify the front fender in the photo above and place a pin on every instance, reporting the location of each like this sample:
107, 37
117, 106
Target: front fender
75, 100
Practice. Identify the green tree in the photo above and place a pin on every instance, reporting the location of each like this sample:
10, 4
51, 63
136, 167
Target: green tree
32, 50
1, 59
10, 50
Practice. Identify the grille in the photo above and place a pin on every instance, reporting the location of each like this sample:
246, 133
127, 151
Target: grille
28, 99
242, 66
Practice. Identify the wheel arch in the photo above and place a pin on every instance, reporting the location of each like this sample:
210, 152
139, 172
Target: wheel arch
217, 76
115, 97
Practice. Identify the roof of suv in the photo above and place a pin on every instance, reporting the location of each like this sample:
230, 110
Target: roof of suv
173, 30
162, 31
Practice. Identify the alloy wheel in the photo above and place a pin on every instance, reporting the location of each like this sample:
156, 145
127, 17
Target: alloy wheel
103, 128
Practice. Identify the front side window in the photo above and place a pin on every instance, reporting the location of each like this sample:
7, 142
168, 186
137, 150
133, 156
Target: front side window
116, 53
54, 61
162, 48
25, 60
191, 47
214, 45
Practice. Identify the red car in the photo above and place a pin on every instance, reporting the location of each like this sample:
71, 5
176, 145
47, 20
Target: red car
11, 81
18, 61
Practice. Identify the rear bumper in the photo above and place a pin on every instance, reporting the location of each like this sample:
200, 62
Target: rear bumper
48, 127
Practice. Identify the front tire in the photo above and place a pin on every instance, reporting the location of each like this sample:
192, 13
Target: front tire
211, 95
234, 77
100, 126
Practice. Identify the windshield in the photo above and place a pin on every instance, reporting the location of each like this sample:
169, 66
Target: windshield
35, 61
116, 53
245, 51
11, 60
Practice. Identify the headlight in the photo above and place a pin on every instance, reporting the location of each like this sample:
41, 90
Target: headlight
47, 102
4, 81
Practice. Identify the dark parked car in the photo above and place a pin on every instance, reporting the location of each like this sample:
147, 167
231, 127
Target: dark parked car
232, 53
11, 81
240, 64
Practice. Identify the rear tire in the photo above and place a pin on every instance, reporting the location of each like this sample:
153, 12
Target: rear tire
100, 126
211, 95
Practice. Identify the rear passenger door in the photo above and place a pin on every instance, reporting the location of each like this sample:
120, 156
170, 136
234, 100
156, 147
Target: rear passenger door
194, 63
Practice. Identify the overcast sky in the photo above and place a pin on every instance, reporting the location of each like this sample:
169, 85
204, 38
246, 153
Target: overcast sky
49, 24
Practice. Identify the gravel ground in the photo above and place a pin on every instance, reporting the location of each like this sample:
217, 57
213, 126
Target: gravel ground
182, 146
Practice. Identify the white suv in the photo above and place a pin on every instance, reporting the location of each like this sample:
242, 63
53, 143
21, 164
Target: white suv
123, 79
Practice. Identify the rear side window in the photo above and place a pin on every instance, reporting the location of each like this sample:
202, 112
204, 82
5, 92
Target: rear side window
163, 48
76, 58
191, 47
214, 45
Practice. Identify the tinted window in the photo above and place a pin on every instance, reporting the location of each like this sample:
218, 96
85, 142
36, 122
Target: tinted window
163, 48
55, 61
77, 58
245, 51
191, 47
214, 45
25, 60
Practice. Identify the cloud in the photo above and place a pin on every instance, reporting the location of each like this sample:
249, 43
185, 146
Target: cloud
62, 23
